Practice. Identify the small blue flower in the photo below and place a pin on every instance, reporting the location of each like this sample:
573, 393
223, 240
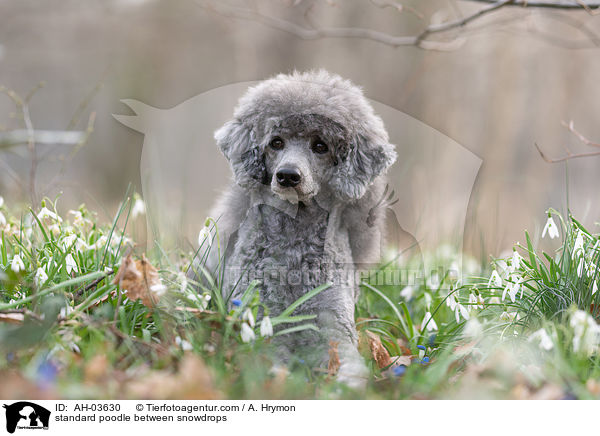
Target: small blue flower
301, 361
10, 357
399, 370
46, 373
425, 360
421, 347
236, 302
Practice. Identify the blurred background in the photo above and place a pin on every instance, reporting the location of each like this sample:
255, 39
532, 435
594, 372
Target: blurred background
506, 83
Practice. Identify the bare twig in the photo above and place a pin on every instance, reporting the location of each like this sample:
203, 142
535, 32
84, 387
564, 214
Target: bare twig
571, 127
398, 6
570, 155
421, 40
551, 4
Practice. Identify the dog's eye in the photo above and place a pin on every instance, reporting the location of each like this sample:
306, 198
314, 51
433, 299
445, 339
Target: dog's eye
319, 147
276, 143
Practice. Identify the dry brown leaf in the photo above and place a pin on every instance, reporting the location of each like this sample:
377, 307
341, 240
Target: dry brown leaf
334, 359
12, 318
192, 381
140, 280
96, 369
378, 351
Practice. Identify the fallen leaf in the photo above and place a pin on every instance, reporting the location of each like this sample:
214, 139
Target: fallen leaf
334, 359
378, 351
140, 280
12, 318
192, 381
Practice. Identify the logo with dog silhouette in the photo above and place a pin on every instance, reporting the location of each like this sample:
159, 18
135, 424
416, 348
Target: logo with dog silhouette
26, 415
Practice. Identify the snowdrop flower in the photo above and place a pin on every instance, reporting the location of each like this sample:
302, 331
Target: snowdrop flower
1, 201
544, 339
578, 246
512, 289
248, 317
580, 267
551, 229
40, 277
459, 310
71, 264
476, 301
594, 287
17, 264
428, 299
266, 328
183, 344
100, 243
586, 333
510, 316
46, 213
515, 261
247, 333
451, 302
407, 293
158, 289
495, 280
139, 207
473, 329
182, 279
204, 235
65, 311
2, 219
429, 323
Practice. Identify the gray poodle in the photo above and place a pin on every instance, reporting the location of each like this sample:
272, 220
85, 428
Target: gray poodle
308, 156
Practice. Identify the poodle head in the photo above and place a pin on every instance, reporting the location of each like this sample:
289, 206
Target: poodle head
305, 133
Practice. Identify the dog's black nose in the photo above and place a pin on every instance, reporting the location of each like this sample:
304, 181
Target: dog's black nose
288, 177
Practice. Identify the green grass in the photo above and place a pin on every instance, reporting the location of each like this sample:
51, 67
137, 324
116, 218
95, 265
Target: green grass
67, 330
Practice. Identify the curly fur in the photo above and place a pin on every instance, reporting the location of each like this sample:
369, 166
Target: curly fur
318, 230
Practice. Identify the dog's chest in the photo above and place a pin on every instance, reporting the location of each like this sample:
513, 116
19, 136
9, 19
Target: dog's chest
286, 253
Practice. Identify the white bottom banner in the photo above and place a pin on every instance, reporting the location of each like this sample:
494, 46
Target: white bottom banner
265, 417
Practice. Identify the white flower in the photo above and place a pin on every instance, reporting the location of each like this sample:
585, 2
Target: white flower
515, 261
513, 289
542, 336
139, 207
594, 287
473, 328
580, 267
407, 293
1, 201
429, 323
247, 316
182, 279
204, 235
495, 280
459, 310
428, 299
17, 264
40, 277
578, 246
99, 244
158, 289
451, 302
247, 333
65, 311
46, 213
510, 316
2, 219
266, 328
71, 264
586, 333
476, 301
551, 229
183, 344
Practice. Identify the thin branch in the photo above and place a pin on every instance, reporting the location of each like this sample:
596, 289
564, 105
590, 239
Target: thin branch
569, 155
398, 6
463, 21
551, 4
571, 128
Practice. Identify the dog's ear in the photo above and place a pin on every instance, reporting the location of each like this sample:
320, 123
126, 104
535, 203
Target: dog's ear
238, 143
359, 164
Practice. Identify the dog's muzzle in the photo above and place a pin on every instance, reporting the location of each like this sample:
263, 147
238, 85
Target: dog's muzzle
288, 177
